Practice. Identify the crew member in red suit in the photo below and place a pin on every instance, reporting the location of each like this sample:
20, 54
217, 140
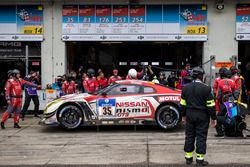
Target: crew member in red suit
226, 91
14, 97
114, 77
90, 83
216, 84
185, 76
226, 86
69, 86
102, 81
236, 78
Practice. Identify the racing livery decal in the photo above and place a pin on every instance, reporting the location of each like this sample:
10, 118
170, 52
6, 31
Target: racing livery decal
132, 109
106, 108
168, 98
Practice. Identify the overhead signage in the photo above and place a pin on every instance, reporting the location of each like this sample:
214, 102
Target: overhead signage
21, 23
243, 22
134, 23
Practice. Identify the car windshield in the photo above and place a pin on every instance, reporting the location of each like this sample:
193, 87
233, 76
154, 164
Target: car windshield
100, 91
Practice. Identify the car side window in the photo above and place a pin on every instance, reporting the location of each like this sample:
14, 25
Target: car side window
124, 89
147, 89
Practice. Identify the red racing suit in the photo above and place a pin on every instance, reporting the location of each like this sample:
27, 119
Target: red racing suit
225, 87
102, 82
238, 84
215, 89
14, 95
69, 87
114, 78
90, 84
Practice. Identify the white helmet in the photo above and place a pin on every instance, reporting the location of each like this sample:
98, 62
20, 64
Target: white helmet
132, 73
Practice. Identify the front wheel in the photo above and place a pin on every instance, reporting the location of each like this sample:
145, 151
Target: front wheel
70, 117
167, 117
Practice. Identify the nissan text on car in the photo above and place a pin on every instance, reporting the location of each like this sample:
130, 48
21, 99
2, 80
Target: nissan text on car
127, 102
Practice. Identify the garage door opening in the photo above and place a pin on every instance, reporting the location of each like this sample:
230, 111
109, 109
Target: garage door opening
126, 55
244, 56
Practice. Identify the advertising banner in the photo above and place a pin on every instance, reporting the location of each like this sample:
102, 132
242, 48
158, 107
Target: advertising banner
136, 23
243, 22
21, 23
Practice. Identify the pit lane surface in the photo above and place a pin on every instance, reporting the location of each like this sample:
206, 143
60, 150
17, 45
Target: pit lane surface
36, 145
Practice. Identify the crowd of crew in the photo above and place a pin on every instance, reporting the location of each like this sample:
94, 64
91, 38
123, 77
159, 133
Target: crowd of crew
229, 81
89, 82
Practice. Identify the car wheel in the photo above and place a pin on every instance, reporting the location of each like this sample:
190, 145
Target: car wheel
70, 117
167, 117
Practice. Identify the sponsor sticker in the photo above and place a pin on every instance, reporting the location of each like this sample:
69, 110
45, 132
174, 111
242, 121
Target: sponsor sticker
169, 98
106, 107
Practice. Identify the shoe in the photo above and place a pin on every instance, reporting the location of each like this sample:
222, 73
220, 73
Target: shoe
219, 135
17, 126
22, 116
37, 116
189, 161
2, 125
201, 163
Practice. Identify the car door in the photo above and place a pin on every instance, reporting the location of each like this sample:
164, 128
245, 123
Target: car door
122, 101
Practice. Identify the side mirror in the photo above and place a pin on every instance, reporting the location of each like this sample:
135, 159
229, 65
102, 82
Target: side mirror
104, 94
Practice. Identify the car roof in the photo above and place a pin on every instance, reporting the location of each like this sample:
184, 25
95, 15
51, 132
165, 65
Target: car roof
160, 88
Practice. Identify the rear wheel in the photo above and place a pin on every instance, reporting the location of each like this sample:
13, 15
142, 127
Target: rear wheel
167, 117
70, 117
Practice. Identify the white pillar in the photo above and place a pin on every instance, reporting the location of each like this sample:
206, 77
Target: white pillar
46, 48
53, 49
221, 34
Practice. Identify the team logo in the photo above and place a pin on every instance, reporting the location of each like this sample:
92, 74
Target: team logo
23, 15
187, 15
106, 100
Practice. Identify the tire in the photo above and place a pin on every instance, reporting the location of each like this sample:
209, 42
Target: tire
70, 117
167, 117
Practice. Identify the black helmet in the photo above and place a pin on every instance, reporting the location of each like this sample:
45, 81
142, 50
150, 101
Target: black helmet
222, 70
234, 70
197, 71
228, 73
91, 72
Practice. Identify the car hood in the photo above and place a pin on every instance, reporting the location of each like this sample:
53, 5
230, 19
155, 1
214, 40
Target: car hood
55, 104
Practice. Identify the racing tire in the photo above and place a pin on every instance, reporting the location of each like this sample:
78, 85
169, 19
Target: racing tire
167, 117
70, 117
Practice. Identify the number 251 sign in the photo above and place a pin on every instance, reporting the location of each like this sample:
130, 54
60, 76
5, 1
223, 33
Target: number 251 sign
106, 107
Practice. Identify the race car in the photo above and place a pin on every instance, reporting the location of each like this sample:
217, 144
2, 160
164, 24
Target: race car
126, 102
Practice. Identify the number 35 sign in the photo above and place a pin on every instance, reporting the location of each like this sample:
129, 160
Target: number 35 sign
106, 107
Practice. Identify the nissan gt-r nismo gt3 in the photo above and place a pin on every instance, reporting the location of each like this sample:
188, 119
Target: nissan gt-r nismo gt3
127, 102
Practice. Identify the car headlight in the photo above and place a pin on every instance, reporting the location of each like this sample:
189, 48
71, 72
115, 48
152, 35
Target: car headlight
52, 106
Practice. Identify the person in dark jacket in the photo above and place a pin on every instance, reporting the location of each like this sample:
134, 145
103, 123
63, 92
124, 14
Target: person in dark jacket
31, 93
198, 106
172, 79
162, 79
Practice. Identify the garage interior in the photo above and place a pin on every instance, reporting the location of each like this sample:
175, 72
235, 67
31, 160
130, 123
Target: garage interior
125, 55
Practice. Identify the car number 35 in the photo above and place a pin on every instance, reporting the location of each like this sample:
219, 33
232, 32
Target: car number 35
107, 110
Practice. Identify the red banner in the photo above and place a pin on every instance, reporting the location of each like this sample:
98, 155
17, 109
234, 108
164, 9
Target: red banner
103, 10
243, 10
70, 10
137, 10
121, 10
86, 10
